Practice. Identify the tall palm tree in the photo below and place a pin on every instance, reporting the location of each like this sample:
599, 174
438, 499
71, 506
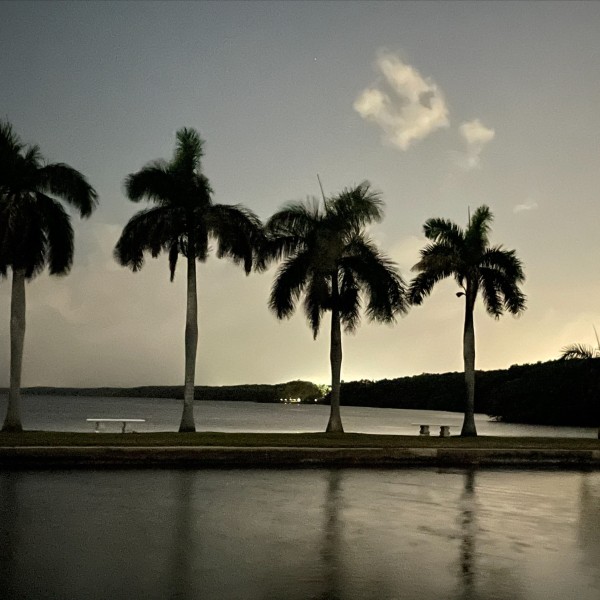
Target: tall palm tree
183, 221
35, 232
329, 259
466, 255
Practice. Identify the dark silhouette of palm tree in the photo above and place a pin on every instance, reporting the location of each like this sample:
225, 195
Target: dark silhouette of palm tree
183, 221
35, 232
329, 259
585, 352
581, 351
467, 256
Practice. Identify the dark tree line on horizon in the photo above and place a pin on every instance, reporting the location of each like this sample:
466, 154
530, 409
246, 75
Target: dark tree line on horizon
324, 253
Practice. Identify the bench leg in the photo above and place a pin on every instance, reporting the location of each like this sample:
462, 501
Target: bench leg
97, 429
124, 425
424, 430
445, 431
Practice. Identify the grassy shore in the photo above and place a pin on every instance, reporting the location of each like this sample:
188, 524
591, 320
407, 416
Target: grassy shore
288, 440
43, 450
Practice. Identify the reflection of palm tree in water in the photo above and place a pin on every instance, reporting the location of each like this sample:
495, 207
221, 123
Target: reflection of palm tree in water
588, 534
181, 583
9, 533
480, 581
468, 530
330, 551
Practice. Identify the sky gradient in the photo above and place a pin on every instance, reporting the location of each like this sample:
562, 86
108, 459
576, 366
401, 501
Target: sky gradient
441, 106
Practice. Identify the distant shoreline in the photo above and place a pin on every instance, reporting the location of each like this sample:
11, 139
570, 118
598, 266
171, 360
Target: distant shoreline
555, 393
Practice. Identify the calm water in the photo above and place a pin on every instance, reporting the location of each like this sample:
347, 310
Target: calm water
307, 534
55, 413
299, 534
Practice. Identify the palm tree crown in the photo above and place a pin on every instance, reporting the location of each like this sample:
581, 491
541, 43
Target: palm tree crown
35, 229
330, 260
476, 266
183, 221
184, 218
466, 255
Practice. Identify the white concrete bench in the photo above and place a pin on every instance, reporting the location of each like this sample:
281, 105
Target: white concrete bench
98, 421
424, 428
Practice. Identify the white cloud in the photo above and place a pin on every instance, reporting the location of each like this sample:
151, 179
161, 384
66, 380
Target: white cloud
526, 206
476, 136
411, 109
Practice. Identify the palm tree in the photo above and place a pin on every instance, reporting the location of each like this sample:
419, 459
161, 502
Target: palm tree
183, 221
476, 266
329, 259
35, 232
581, 351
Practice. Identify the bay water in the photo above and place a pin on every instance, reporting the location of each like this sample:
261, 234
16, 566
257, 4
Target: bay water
69, 413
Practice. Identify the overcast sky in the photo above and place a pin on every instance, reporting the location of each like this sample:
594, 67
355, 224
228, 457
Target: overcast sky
441, 106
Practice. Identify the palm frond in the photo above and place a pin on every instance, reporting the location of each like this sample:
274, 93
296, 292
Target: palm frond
422, 285
287, 231
444, 231
439, 256
151, 230
290, 280
491, 291
238, 232
349, 300
68, 184
504, 282
480, 223
174, 251
59, 235
505, 261
153, 182
579, 351
188, 151
10, 144
316, 298
355, 207
379, 279
23, 237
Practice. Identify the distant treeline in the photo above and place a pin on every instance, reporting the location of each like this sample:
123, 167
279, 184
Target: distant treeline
241, 393
560, 392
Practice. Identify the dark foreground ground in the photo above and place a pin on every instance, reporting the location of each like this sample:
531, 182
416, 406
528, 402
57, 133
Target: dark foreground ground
38, 449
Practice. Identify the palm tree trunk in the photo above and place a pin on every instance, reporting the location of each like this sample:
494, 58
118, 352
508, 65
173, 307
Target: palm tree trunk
17, 339
468, 428
335, 358
191, 344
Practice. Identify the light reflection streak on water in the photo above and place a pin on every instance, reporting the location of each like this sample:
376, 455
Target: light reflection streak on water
306, 534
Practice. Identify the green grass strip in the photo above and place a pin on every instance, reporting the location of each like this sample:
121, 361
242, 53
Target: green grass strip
302, 440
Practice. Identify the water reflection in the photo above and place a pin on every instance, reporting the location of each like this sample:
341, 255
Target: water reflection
588, 532
299, 535
480, 577
9, 538
468, 531
332, 539
183, 546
